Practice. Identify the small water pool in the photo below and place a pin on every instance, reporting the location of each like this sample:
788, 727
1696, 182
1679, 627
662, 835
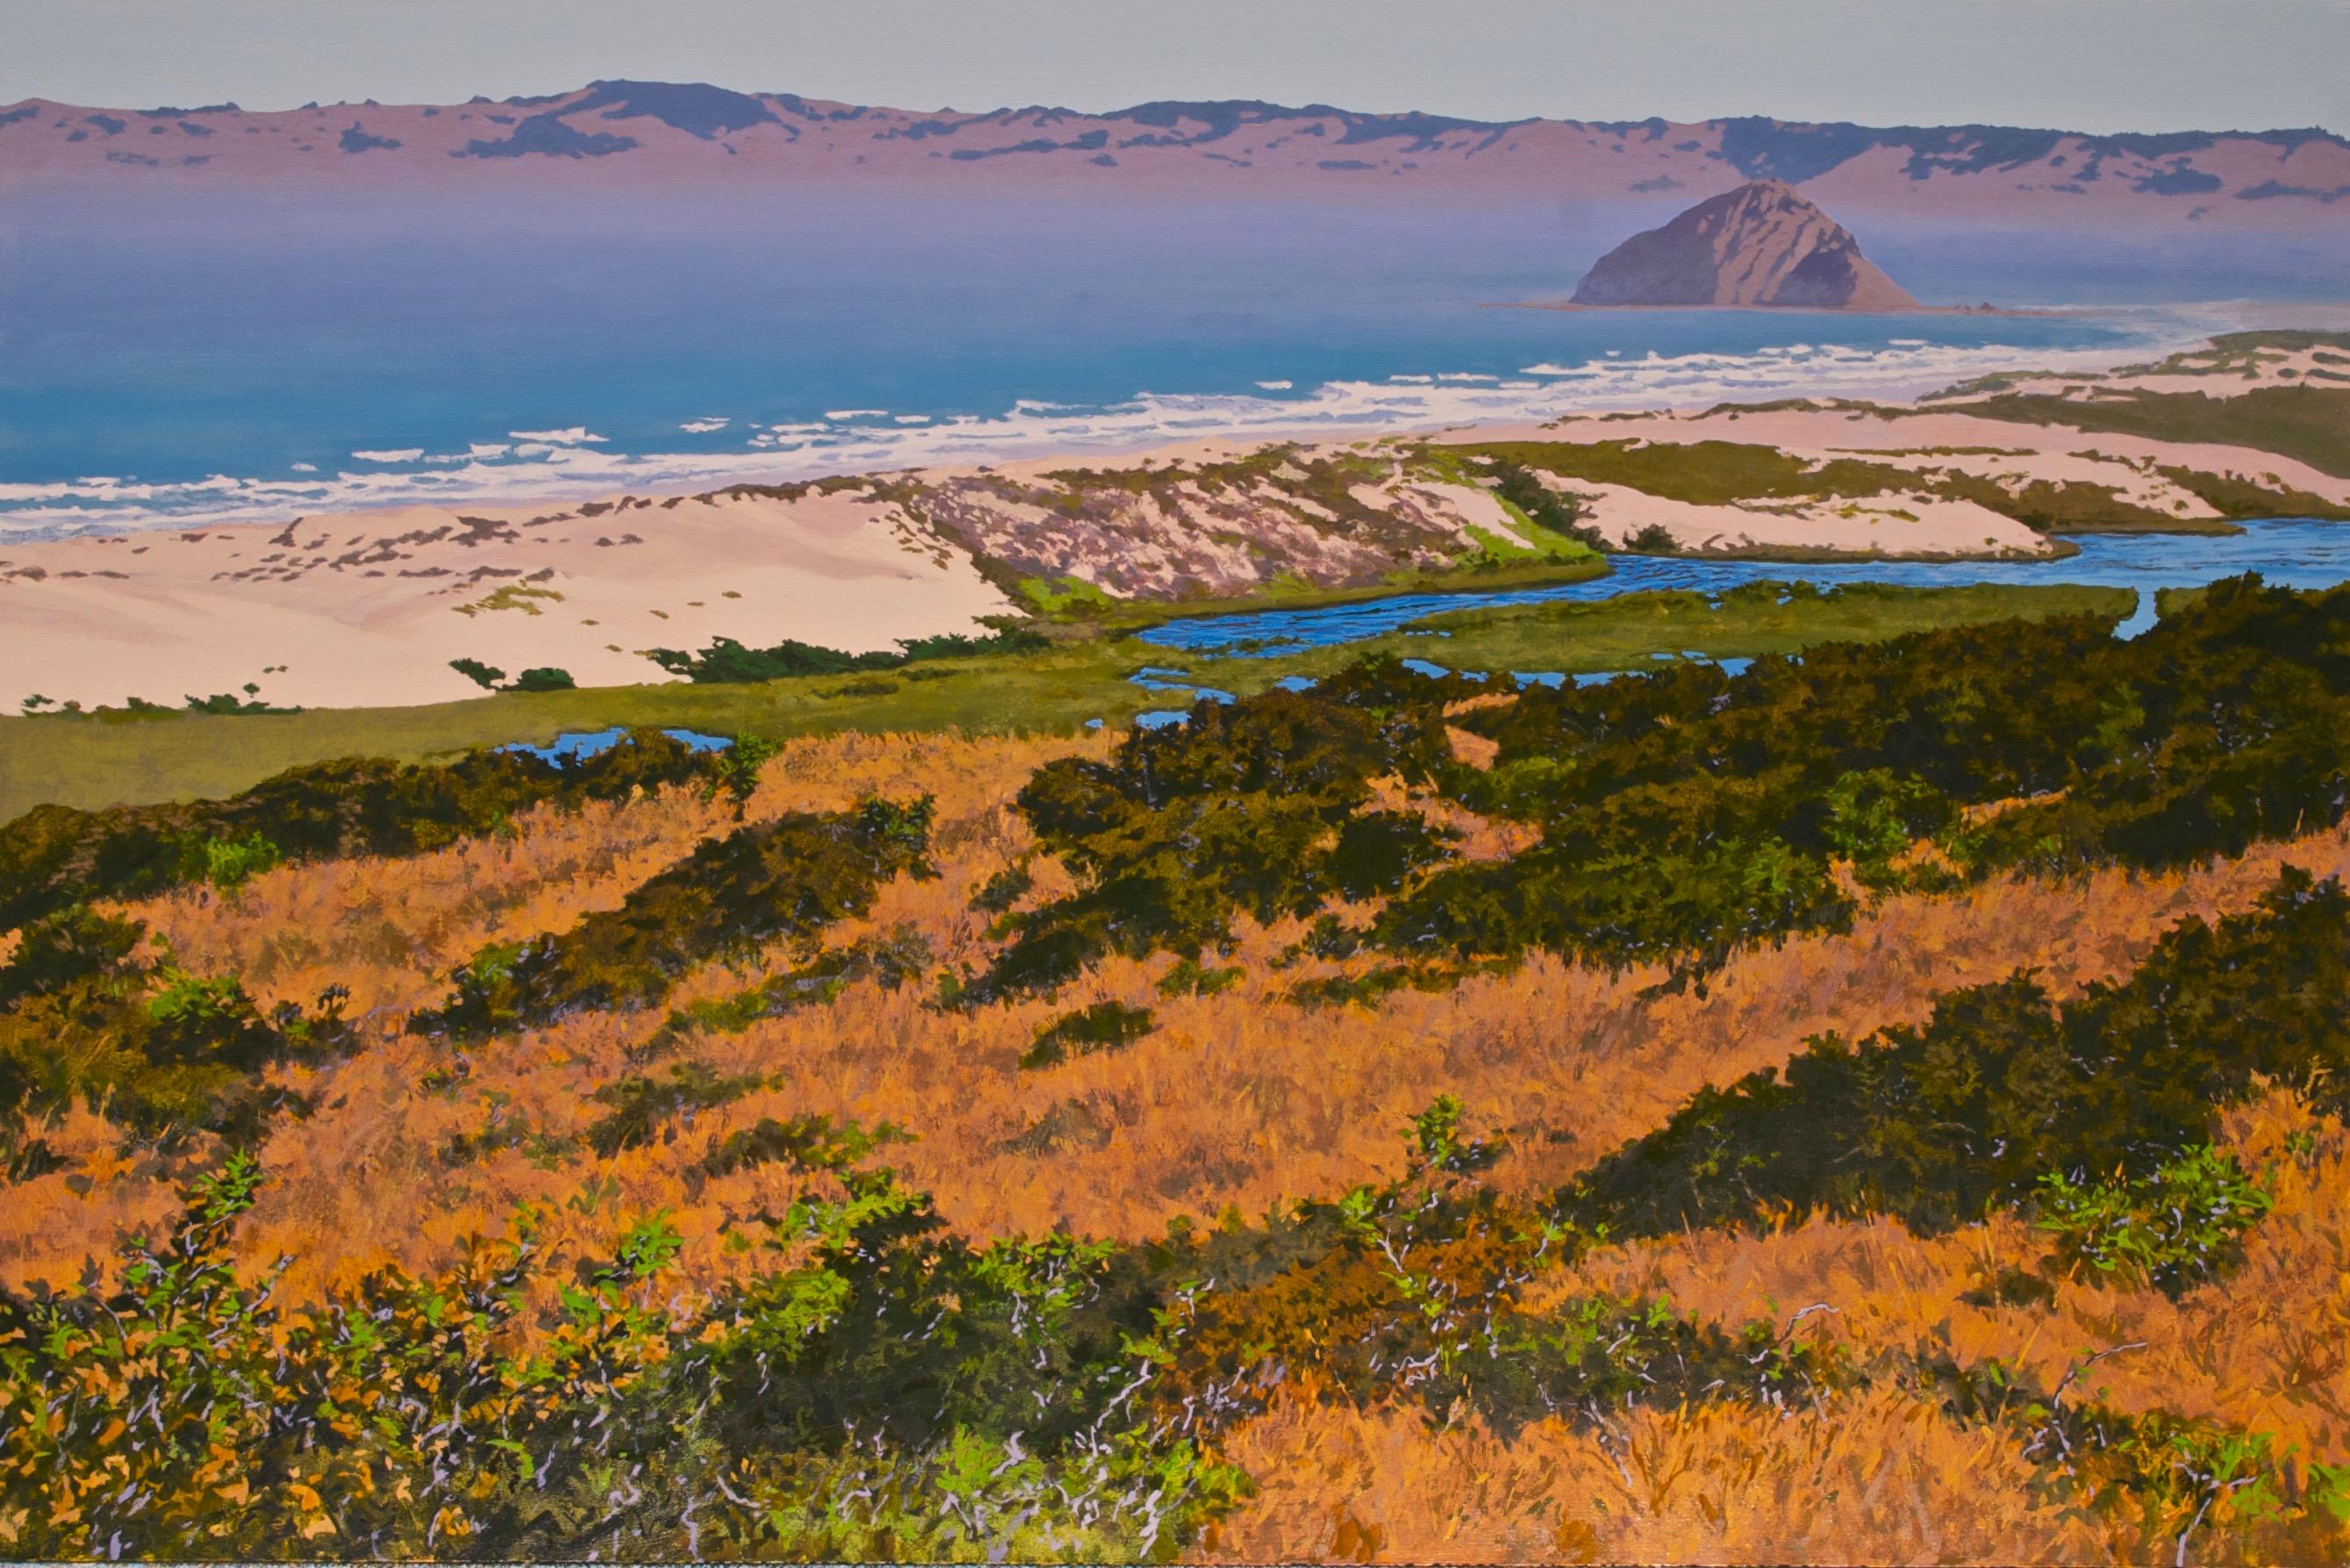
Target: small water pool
574, 745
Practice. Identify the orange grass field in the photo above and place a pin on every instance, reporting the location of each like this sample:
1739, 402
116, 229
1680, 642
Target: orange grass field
1238, 1101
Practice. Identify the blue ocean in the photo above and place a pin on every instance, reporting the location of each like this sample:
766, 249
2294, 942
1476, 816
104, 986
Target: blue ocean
184, 362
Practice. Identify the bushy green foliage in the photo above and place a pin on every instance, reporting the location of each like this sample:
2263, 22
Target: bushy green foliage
54, 856
788, 879
737, 767
883, 1390
1189, 977
1005, 889
810, 1142
2000, 1089
1687, 813
2174, 1227
2172, 1478
1254, 807
1873, 817
489, 678
229, 703
485, 676
229, 863
88, 1016
726, 659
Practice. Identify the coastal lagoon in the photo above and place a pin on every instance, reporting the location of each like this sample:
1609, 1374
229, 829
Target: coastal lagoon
2286, 552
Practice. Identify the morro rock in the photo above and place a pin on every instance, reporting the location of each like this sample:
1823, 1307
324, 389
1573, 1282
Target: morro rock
1759, 245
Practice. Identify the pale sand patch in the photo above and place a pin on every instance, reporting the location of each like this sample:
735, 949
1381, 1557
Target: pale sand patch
364, 609
1891, 524
1931, 440
2214, 373
1477, 508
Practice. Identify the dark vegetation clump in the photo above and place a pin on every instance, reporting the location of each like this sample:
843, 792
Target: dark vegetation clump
787, 878
56, 855
1104, 1026
489, 678
2002, 1096
809, 1142
89, 1015
726, 659
638, 1106
227, 704
1251, 808
1688, 813
889, 960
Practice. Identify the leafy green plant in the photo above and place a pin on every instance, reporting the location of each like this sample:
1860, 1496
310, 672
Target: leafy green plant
2175, 1226
738, 767
229, 863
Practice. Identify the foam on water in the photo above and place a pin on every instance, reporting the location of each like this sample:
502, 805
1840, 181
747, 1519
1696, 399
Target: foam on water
577, 462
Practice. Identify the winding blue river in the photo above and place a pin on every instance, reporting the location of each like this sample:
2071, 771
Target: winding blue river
2291, 551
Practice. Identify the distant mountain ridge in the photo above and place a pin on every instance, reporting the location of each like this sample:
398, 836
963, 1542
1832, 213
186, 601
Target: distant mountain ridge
666, 133
1759, 245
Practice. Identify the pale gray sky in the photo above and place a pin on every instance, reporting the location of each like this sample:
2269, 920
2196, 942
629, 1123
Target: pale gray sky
2088, 65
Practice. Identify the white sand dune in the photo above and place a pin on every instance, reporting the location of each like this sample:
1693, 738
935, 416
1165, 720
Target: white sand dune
368, 609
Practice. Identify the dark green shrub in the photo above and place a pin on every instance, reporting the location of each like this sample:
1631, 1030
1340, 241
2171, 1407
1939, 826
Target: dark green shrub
1999, 1088
1104, 1026
786, 878
639, 1105
726, 659
485, 676
85, 1016
1547, 508
889, 960
54, 856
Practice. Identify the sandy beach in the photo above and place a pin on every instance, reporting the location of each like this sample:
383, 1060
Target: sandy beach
369, 608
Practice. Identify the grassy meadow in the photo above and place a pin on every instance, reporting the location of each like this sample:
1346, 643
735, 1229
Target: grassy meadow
119, 756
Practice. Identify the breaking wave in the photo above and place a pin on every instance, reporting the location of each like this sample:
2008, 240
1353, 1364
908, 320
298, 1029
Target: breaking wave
577, 463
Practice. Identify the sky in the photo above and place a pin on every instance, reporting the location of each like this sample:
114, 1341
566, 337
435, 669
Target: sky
2083, 64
